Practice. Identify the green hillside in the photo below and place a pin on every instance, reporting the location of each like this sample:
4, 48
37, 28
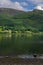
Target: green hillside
31, 21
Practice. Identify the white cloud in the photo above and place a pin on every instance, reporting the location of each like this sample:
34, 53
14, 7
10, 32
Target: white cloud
16, 5
24, 4
10, 4
39, 7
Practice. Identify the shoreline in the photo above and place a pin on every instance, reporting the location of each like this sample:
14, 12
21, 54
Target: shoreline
18, 61
23, 56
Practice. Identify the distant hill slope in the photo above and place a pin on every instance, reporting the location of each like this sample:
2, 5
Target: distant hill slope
20, 20
32, 19
10, 11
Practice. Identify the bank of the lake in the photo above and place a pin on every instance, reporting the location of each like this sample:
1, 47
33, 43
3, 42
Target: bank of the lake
19, 61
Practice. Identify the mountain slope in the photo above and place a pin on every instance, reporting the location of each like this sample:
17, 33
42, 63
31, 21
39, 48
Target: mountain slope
10, 11
19, 20
33, 19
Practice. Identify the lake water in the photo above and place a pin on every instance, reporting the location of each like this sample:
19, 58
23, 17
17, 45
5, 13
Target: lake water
17, 43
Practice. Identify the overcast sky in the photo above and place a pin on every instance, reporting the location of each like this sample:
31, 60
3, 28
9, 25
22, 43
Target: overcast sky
25, 5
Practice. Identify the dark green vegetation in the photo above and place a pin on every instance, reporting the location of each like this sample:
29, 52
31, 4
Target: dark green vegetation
21, 21
27, 28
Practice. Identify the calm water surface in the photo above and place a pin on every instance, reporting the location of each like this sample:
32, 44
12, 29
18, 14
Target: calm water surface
17, 43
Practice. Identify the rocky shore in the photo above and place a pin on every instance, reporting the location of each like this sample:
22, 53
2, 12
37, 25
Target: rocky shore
19, 61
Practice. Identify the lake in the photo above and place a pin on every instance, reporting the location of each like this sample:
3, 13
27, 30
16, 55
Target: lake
20, 43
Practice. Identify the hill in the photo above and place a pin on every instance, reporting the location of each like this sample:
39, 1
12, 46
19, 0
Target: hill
10, 11
20, 20
32, 20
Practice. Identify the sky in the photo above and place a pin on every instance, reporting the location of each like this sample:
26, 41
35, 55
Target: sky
24, 5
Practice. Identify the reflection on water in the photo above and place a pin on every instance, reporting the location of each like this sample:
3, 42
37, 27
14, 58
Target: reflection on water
19, 43
5, 36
